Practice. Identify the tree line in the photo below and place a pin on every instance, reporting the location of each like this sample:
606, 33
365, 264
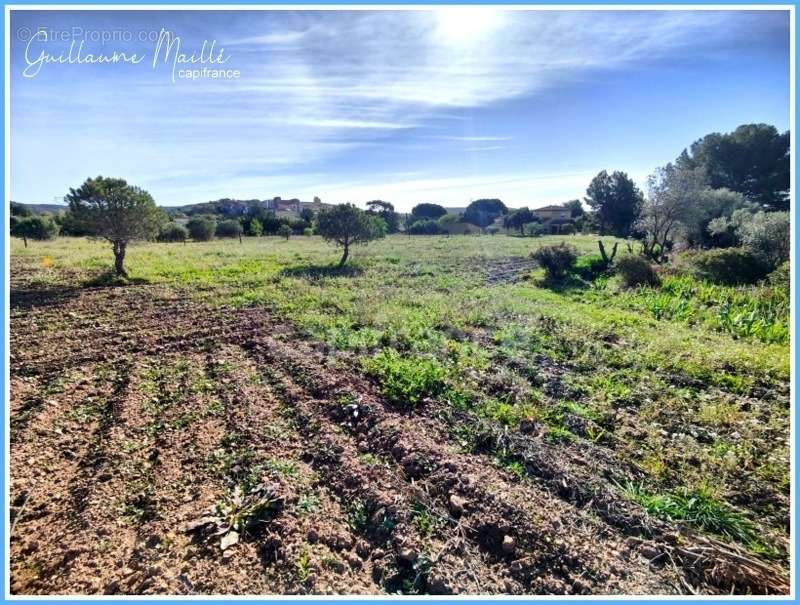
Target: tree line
724, 190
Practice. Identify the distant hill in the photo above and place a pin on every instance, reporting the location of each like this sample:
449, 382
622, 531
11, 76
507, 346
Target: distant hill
40, 208
226, 207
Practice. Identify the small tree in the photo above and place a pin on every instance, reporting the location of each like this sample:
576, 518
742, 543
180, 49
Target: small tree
120, 213
201, 228
255, 228
173, 232
671, 204
285, 231
230, 228
33, 227
345, 225
518, 219
484, 212
386, 211
427, 211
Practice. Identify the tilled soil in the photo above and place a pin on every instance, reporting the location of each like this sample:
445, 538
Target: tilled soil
138, 415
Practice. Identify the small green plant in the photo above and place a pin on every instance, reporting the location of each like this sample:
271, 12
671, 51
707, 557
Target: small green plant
357, 517
370, 459
288, 468
303, 566
407, 380
426, 522
559, 434
307, 504
698, 508
239, 512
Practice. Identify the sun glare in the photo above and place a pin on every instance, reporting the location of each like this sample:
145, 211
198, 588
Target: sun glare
459, 25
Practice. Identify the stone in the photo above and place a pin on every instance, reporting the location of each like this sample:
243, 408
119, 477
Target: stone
457, 504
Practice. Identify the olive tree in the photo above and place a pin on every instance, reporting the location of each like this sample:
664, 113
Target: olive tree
671, 204
345, 225
117, 212
33, 227
202, 228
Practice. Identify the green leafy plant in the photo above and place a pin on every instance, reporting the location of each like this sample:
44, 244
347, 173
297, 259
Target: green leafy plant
407, 380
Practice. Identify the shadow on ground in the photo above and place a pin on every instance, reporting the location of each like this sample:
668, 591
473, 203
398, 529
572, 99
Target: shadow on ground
109, 278
322, 271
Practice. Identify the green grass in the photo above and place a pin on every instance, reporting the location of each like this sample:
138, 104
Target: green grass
702, 510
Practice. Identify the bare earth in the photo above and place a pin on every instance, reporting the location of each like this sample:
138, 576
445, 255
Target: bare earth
135, 412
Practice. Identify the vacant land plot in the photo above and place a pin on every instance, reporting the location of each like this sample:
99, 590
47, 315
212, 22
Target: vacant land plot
241, 418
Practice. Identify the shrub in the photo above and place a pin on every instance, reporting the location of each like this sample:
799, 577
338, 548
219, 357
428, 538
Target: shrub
556, 259
201, 228
764, 233
172, 232
34, 227
285, 231
406, 380
229, 228
767, 234
308, 231
636, 271
425, 227
255, 228
535, 229
780, 276
729, 266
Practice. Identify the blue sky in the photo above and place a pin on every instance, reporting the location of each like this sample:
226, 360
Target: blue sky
445, 105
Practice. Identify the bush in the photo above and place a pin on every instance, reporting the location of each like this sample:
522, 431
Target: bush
406, 380
780, 276
229, 228
535, 229
308, 231
201, 228
425, 227
767, 234
34, 227
285, 231
764, 233
636, 271
172, 232
255, 228
729, 266
556, 259
590, 266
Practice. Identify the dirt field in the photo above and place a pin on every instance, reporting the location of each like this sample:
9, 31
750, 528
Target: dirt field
151, 427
